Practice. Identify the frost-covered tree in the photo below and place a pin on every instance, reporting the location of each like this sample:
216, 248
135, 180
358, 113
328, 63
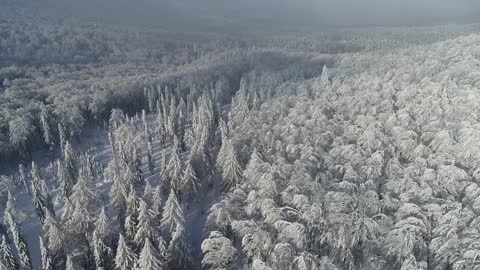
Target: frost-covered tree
40, 194
23, 178
54, 238
62, 134
21, 129
150, 161
19, 241
131, 221
174, 168
190, 181
69, 265
104, 227
282, 256
218, 251
103, 255
149, 258
145, 228
125, 258
172, 214
157, 203
45, 124
229, 166
179, 251
63, 180
47, 263
71, 163
119, 190
7, 258
84, 192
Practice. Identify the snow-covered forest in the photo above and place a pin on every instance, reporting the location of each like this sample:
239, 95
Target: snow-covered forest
349, 148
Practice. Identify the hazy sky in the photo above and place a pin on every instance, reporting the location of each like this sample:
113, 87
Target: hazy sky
325, 12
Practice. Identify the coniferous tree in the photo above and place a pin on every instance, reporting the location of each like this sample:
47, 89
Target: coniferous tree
19, 241
174, 168
124, 259
10, 207
149, 258
71, 163
165, 179
69, 265
131, 221
118, 191
45, 124
47, 263
23, 177
157, 203
179, 252
190, 181
54, 238
145, 227
62, 136
229, 166
67, 213
102, 253
172, 214
148, 193
84, 192
40, 194
7, 258
150, 161
104, 227
63, 180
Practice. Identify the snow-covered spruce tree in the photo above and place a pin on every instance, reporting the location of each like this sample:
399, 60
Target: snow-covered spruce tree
131, 221
63, 180
149, 258
69, 265
157, 204
240, 110
40, 194
45, 124
7, 258
104, 227
148, 193
145, 228
19, 241
23, 178
229, 166
47, 263
165, 180
83, 200
118, 191
174, 168
71, 163
10, 207
160, 128
162, 249
103, 255
179, 251
146, 129
190, 181
218, 251
150, 161
84, 193
125, 258
172, 214
54, 238
62, 134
